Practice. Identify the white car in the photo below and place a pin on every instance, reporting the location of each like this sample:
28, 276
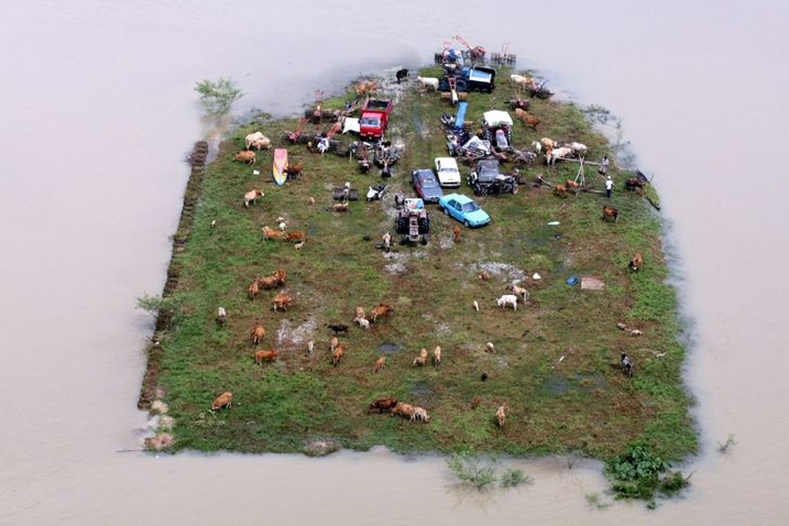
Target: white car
447, 172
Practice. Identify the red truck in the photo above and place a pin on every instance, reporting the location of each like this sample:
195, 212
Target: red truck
374, 118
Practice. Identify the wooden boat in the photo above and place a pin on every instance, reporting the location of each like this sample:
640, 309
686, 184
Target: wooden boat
280, 164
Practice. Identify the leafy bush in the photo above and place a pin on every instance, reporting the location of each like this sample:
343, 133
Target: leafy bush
218, 97
514, 477
477, 472
642, 474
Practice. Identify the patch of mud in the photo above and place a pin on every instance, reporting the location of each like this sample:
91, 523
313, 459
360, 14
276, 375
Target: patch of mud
390, 348
504, 271
421, 389
289, 336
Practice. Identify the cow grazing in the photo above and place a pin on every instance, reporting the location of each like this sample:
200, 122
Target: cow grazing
636, 332
501, 414
507, 299
297, 235
626, 364
282, 302
265, 356
337, 354
251, 196
245, 156
270, 233
381, 310
527, 118
610, 213
556, 154
310, 347
223, 400
633, 183
401, 74
428, 82
419, 415
520, 291
341, 207
379, 364
476, 305
490, 348
560, 190
403, 409
294, 170
360, 312
338, 328
310, 201
364, 323
437, 355
636, 261
257, 140
383, 405
422, 358
253, 289
257, 333
522, 80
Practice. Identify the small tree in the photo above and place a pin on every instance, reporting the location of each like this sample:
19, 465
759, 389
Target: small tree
218, 96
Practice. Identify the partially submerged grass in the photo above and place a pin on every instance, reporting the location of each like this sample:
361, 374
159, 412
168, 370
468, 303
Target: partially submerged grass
556, 359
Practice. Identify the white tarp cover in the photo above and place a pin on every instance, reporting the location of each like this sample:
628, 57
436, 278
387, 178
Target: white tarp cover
475, 143
351, 125
497, 118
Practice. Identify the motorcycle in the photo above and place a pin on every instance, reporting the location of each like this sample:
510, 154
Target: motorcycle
375, 193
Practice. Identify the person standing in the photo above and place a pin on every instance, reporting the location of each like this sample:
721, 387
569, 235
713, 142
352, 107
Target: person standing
603, 166
609, 187
387, 239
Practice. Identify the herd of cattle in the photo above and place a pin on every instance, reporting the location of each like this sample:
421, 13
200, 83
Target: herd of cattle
283, 301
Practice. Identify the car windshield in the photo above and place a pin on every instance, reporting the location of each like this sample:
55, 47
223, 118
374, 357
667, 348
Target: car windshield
470, 207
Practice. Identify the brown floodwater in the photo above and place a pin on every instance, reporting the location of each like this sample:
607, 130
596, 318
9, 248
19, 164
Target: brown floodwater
98, 112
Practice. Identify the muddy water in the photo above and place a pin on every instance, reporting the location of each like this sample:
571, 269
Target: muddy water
98, 112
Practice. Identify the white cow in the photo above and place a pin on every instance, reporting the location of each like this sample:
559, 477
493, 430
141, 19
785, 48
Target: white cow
428, 82
508, 299
558, 153
258, 140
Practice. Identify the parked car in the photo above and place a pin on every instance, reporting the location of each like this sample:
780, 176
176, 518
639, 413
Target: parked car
426, 185
446, 169
464, 209
486, 179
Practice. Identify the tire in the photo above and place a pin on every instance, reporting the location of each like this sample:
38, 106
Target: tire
481, 191
424, 225
402, 225
515, 189
446, 211
466, 223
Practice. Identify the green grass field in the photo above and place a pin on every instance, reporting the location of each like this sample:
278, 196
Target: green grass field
557, 357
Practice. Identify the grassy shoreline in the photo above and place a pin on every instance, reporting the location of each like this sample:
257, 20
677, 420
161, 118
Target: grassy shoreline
556, 360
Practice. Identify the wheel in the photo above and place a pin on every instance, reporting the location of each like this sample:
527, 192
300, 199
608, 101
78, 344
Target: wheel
446, 211
402, 225
466, 223
424, 225
424, 240
482, 191
514, 189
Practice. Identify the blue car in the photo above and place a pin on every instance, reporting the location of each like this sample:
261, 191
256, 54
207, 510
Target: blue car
464, 209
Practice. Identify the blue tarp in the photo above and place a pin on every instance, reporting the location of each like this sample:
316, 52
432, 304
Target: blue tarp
461, 115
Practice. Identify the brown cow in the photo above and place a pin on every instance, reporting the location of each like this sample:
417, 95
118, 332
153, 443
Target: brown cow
456, 234
406, 410
253, 289
265, 356
382, 309
270, 233
501, 414
338, 353
633, 183
379, 363
383, 405
257, 333
637, 261
223, 400
437, 355
245, 157
422, 358
610, 213
560, 190
571, 185
282, 302
527, 118
294, 170
297, 235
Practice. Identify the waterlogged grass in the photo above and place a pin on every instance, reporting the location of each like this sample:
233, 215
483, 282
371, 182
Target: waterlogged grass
556, 360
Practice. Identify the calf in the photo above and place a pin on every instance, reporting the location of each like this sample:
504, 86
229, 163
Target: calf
221, 316
508, 299
456, 234
626, 364
223, 400
265, 356
251, 196
379, 363
245, 156
422, 358
383, 405
253, 289
610, 213
401, 74
636, 262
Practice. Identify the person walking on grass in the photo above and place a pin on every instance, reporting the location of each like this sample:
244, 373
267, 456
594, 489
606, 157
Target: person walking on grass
609, 187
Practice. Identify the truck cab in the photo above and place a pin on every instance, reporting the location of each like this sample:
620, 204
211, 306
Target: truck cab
374, 118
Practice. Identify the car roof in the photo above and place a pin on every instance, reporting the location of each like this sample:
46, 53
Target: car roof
447, 162
489, 163
424, 174
461, 198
